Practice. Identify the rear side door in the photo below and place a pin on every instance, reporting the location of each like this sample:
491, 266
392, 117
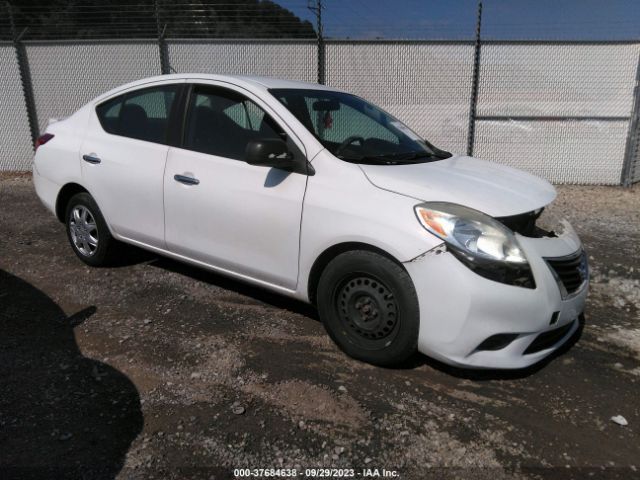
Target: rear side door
123, 160
220, 210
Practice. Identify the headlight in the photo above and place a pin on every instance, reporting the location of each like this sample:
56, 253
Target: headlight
482, 243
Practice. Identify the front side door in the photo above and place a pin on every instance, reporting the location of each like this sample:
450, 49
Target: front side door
123, 160
222, 211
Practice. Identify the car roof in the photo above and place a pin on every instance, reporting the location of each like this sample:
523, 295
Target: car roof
251, 81
271, 82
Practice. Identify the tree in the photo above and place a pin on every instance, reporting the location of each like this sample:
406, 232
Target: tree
70, 19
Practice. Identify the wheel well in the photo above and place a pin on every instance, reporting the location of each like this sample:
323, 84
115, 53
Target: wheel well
68, 191
332, 252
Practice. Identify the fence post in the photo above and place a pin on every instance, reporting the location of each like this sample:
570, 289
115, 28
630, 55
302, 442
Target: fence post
165, 66
471, 134
631, 153
321, 61
25, 77
320, 36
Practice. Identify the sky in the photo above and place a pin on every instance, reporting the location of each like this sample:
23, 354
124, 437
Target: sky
455, 19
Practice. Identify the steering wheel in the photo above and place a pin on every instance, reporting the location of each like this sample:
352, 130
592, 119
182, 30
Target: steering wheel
348, 141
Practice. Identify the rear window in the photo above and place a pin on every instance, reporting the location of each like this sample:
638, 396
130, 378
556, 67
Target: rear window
142, 114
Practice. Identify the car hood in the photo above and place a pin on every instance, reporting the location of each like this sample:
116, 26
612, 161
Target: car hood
494, 189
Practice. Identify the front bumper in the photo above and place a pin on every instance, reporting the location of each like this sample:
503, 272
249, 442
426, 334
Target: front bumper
459, 310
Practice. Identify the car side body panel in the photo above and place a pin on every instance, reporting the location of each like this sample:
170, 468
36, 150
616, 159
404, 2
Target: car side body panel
239, 217
59, 163
342, 206
127, 183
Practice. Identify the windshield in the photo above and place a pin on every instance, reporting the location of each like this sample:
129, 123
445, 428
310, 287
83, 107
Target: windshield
355, 130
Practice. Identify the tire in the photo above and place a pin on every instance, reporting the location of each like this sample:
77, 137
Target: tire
88, 232
369, 307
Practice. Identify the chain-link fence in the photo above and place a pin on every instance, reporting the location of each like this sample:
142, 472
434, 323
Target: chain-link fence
15, 135
631, 166
563, 110
633, 174
291, 59
66, 75
560, 110
425, 84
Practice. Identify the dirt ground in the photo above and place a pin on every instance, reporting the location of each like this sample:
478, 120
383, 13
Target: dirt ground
154, 369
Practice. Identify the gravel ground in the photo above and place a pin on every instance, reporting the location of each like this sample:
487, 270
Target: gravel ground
154, 369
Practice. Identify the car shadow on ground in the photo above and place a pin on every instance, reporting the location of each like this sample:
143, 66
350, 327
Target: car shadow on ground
62, 415
128, 255
227, 283
416, 361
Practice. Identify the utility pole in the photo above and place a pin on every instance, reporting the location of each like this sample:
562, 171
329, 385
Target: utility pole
317, 7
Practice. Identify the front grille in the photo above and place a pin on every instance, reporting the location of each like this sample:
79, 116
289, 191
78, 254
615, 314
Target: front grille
548, 339
570, 272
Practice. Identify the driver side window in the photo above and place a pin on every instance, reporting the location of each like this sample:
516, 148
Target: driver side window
222, 122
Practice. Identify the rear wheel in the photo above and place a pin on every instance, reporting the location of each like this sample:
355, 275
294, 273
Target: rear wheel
369, 307
87, 231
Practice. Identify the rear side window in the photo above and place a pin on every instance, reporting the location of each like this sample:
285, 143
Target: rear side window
142, 114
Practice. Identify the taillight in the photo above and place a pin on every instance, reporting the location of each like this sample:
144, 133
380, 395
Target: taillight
42, 139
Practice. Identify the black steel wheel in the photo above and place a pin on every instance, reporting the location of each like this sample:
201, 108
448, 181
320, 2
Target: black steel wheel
369, 310
369, 307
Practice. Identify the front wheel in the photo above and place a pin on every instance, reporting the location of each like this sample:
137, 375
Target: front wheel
369, 307
88, 232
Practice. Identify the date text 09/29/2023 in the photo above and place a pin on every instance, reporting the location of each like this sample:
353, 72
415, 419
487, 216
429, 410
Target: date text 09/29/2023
315, 473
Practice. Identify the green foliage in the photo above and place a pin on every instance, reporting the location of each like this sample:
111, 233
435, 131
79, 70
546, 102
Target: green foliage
141, 19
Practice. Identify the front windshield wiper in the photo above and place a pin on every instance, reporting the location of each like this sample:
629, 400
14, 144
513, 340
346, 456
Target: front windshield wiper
390, 158
403, 157
437, 153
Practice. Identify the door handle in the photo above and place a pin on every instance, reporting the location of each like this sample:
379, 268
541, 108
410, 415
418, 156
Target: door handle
186, 180
91, 159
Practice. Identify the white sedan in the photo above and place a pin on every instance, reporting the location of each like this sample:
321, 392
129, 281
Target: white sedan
317, 194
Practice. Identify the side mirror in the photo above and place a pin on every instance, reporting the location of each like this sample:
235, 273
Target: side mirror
273, 152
